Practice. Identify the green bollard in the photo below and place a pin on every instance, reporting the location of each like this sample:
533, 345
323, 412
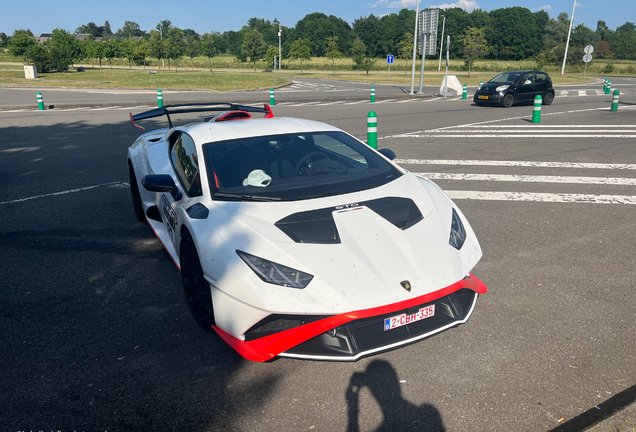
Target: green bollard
465, 92
372, 94
617, 92
372, 130
481, 83
604, 85
40, 102
271, 97
608, 89
536, 112
159, 98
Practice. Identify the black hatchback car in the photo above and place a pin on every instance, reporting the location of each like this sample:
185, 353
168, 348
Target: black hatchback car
508, 88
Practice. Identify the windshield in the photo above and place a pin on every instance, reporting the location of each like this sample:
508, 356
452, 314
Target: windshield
293, 167
506, 77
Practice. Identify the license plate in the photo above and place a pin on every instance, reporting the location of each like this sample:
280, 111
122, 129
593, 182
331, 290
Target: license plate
483, 97
404, 319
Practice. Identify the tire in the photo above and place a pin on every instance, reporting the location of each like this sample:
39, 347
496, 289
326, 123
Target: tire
136, 197
195, 287
548, 98
508, 101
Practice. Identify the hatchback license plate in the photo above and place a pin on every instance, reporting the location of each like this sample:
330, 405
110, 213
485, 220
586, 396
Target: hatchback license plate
483, 97
404, 319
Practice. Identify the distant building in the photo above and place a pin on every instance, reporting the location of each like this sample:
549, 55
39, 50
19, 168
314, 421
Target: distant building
43, 37
82, 36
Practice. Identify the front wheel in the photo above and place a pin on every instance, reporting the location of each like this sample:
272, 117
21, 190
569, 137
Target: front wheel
196, 288
547, 99
508, 101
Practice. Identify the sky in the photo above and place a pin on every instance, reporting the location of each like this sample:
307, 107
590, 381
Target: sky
215, 15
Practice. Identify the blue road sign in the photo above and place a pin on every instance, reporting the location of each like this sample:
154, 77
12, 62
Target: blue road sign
389, 59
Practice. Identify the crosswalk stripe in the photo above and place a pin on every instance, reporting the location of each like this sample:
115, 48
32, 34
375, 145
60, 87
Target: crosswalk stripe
530, 178
519, 135
582, 93
504, 163
542, 197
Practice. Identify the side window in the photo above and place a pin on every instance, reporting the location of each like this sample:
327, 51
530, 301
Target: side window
527, 79
541, 78
185, 161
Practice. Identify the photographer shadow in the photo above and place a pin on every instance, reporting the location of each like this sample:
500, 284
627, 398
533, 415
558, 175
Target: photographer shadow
398, 414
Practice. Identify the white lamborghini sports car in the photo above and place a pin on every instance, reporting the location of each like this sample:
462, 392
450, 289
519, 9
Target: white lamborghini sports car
295, 239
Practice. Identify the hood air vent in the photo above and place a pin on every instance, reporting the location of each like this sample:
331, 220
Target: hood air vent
318, 226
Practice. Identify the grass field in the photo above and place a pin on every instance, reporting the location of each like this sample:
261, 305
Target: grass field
136, 78
230, 74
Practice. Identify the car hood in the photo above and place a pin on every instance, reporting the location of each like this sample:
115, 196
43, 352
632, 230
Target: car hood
490, 87
361, 270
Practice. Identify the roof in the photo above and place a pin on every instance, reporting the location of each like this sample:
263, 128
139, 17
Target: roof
213, 132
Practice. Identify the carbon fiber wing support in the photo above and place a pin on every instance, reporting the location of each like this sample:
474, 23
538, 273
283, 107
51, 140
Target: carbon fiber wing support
167, 110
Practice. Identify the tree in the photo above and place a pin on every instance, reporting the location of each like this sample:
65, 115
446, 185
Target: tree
603, 50
405, 49
128, 50
192, 48
142, 51
21, 41
111, 48
174, 46
130, 29
208, 47
333, 52
359, 55
106, 30
4, 39
156, 46
163, 27
61, 49
90, 29
254, 46
474, 45
300, 51
272, 51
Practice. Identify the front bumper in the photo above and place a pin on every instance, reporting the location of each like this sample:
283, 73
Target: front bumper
356, 334
493, 98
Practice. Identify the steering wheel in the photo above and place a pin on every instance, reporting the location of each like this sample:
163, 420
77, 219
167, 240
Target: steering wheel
303, 165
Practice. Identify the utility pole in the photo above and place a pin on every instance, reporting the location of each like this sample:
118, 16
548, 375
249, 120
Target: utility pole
441, 44
280, 31
567, 44
415, 38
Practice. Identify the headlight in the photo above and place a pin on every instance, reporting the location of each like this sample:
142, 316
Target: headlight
276, 274
457, 233
502, 88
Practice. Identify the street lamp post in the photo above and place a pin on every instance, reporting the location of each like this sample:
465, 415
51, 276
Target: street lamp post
567, 44
280, 31
441, 44
415, 37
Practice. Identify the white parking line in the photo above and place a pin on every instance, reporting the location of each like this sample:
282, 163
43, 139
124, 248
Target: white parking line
542, 197
531, 178
520, 135
61, 193
532, 164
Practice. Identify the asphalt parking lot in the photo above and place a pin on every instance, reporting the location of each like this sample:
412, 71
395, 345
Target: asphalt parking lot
97, 334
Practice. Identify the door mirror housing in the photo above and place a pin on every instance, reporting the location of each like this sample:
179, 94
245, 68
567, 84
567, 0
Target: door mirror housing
387, 153
161, 183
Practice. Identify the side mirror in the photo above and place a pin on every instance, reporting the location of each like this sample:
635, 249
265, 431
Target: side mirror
161, 183
387, 153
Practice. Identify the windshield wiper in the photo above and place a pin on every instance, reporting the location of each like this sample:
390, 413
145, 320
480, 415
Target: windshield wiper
245, 197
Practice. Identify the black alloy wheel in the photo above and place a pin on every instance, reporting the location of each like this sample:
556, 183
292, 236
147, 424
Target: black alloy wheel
136, 197
196, 288
508, 100
548, 98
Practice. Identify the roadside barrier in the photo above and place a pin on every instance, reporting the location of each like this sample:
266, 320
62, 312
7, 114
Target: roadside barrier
372, 130
465, 92
617, 93
536, 111
40, 102
608, 89
481, 83
272, 102
372, 94
159, 98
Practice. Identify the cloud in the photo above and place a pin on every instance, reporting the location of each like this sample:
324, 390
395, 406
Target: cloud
467, 5
542, 8
579, 4
394, 3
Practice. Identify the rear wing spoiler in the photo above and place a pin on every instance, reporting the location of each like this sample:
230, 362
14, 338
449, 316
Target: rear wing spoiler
167, 110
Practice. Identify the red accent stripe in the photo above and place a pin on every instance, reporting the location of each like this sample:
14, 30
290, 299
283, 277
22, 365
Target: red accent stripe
216, 180
268, 110
162, 244
133, 123
267, 347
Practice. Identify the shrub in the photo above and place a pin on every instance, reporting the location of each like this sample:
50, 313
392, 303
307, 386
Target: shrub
609, 68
